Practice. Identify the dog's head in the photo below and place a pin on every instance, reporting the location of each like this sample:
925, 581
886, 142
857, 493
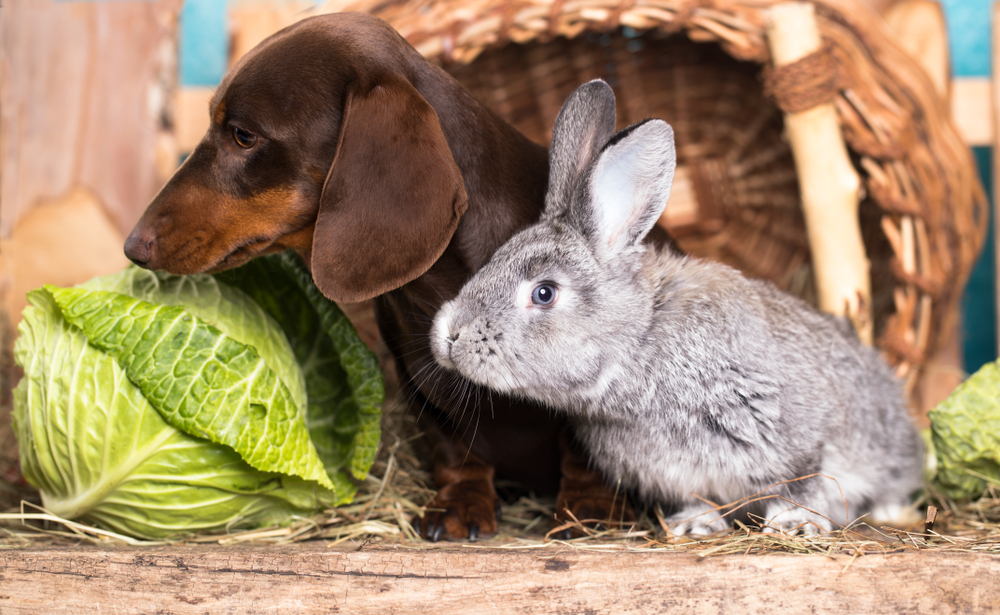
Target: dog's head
320, 143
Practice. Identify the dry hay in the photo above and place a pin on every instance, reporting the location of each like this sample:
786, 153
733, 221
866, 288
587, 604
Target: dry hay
398, 486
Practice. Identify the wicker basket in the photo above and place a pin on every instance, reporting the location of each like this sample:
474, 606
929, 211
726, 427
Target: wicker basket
703, 65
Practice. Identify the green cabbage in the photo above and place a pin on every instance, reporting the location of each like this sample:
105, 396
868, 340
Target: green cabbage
160, 405
965, 430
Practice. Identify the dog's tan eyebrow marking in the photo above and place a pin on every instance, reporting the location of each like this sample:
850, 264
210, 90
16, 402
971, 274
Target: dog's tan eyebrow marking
219, 114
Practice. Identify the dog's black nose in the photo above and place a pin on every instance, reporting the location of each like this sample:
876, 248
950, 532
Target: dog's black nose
138, 249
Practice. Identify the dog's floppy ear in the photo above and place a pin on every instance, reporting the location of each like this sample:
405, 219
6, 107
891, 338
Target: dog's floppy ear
392, 198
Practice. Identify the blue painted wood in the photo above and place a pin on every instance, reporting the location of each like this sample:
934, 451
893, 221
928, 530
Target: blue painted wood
204, 43
969, 34
970, 41
979, 323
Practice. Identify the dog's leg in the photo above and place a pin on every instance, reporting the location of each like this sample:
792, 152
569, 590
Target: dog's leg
584, 493
466, 504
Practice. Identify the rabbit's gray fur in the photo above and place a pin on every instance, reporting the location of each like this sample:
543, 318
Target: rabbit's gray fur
682, 377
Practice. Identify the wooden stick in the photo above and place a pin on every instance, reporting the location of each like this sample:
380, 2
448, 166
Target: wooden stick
827, 180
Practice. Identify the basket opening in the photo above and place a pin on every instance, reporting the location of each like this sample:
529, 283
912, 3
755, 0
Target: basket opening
738, 201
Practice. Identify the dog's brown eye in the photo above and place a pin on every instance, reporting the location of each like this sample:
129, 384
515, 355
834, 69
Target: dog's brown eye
243, 138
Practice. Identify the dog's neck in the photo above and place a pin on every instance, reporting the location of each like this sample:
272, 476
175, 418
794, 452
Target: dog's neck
505, 174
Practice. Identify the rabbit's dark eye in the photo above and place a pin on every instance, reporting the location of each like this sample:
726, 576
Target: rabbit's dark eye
544, 294
244, 139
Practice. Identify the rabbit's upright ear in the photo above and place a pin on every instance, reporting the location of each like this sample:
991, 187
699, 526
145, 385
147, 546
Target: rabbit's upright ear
628, 187
584, 124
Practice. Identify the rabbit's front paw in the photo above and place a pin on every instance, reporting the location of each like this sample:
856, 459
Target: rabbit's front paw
894, 513
792, 519
698, 521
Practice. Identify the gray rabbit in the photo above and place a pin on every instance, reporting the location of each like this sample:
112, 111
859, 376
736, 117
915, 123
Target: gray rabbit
686, 380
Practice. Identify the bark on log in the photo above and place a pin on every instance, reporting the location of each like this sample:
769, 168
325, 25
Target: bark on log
311, 578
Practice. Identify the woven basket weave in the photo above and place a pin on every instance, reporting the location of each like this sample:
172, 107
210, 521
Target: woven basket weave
702, 66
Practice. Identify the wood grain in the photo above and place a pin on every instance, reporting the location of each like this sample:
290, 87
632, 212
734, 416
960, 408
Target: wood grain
83, 92
313, 579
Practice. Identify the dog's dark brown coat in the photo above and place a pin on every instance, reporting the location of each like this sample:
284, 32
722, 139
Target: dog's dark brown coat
394, 183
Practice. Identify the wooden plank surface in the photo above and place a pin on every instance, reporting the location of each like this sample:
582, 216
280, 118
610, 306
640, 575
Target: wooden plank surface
84, 88
312, 578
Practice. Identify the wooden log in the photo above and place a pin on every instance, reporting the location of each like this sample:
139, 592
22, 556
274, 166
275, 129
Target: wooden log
311, 578
827, 179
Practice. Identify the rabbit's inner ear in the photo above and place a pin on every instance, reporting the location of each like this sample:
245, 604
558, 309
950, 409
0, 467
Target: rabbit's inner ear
630, 184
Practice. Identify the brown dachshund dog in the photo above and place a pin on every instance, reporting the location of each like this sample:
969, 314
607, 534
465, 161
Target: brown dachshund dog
335, 138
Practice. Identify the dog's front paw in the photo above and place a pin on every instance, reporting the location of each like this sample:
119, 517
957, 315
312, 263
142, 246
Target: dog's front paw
594, 505
466, 510
584, 495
